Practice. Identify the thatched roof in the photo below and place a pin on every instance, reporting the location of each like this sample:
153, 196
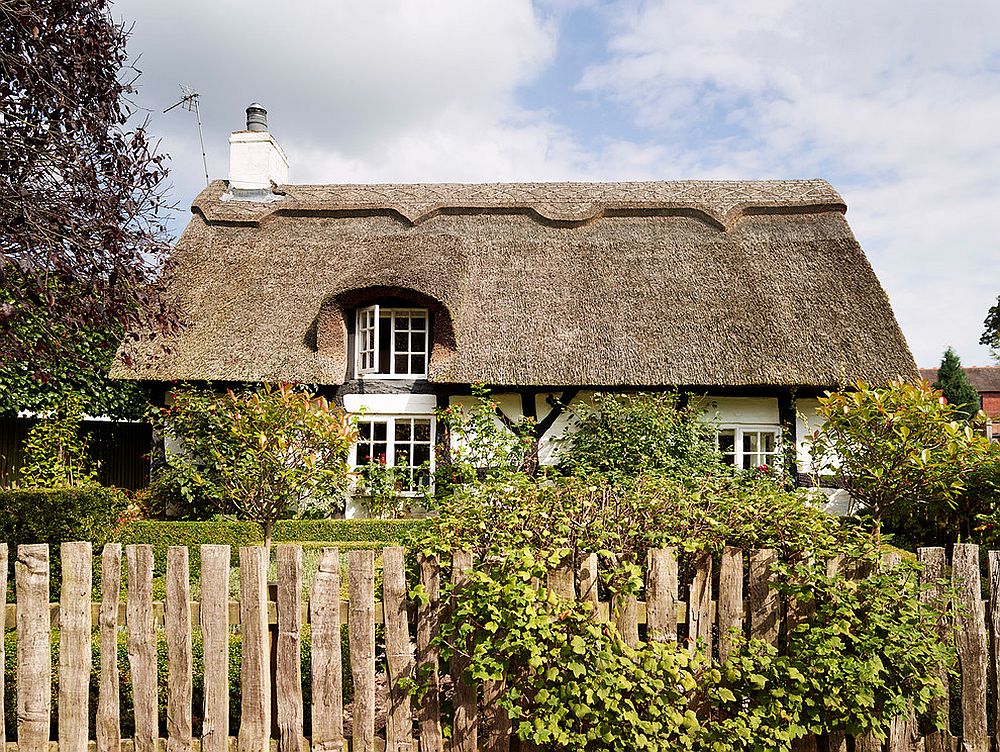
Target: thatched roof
630, 284
982, 378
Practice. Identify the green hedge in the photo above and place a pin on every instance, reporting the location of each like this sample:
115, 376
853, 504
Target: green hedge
59, 515
162, 534
375, 531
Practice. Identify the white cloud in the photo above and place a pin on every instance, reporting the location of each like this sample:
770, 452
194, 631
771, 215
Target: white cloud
373, 89
901, 106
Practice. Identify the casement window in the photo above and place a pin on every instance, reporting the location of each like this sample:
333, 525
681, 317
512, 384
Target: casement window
398, 441
392, 342
748, 447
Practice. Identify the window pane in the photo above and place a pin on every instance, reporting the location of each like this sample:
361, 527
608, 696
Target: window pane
422, 430
364, 430
402, 364
403, 455
421, 454
418, 364
727, 441
418, 323
402, 341
403, 430
768, 442
385, 334
379, 452
418, 342
750, 439
380, 429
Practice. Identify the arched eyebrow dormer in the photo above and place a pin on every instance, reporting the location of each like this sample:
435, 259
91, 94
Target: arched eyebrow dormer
387, 332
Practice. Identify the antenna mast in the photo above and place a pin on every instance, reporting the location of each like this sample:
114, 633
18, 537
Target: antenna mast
190, 102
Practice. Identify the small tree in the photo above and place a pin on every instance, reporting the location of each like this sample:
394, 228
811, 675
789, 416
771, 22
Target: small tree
900, 451
269, 452
955, 385
55, 452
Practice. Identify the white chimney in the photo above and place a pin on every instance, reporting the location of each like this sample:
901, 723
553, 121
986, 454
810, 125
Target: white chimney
256, 162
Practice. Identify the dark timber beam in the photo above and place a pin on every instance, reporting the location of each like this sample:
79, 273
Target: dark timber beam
787, 417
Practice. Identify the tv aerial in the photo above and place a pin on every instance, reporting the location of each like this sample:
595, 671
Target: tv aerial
190, 102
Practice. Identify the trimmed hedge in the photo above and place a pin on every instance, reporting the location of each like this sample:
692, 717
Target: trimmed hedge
163, 534
362, 529
59, 515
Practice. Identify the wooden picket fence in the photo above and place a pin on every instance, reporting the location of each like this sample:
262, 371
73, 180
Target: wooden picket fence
476, 720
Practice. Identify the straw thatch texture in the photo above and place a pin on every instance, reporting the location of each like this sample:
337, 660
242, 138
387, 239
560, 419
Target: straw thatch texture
634, 284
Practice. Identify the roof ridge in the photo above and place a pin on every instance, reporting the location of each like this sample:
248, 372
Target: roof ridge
721, 202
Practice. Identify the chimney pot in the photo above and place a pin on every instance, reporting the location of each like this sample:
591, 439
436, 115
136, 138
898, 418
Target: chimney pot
256, 117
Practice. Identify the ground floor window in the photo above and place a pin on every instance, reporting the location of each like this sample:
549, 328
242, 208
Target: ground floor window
749, 447
401, 441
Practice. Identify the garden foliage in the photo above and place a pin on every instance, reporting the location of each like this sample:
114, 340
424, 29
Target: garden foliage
55, 450
907, 457
620, 436
264, 454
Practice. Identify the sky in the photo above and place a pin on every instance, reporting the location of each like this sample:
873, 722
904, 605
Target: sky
897, 105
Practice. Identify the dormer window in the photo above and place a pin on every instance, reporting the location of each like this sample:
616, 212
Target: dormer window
392, 342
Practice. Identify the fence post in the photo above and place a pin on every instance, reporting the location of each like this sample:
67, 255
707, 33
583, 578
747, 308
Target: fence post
177, 626
700, 605
931, 578
288, 679
588, 581
214, 617
327, 664
255, 670
465, 737
970, 640
730, 602
74, 646
428, 626
398, 651
34, 659
107, 726
904, 735
661, 594
765, 606
141, 645
361, 627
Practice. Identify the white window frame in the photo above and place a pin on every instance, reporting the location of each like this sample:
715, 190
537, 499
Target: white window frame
367, 342
738, 453
390, 451
367, 339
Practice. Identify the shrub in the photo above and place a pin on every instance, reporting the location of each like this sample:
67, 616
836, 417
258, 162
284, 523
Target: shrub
904, 454
60, 515
55, 450
366, 530
270, 453
620, 436
181, 488
163, 534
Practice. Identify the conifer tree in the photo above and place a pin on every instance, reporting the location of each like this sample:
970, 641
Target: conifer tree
951, 380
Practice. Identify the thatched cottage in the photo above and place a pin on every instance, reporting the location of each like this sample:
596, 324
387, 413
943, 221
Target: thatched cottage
396, 298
